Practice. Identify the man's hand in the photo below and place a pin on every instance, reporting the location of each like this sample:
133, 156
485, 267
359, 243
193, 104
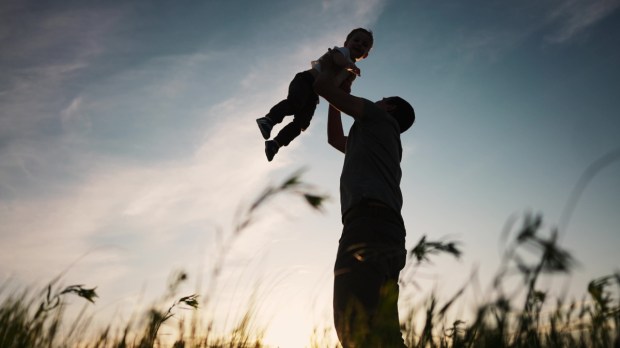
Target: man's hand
346, 84
353, 68
324, 85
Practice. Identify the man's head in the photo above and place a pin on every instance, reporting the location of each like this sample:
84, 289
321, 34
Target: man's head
400, 109
359, 42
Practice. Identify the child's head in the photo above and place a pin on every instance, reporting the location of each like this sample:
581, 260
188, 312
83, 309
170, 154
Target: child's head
359, 42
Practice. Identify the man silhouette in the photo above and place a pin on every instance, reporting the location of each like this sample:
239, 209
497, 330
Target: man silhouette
371, 251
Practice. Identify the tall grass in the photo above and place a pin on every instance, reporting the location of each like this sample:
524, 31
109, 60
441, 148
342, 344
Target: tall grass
30, 319
521, 315
524, 315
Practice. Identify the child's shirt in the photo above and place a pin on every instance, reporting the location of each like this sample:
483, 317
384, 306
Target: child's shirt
344, 73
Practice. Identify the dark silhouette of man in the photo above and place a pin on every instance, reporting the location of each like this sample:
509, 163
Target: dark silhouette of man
371, 251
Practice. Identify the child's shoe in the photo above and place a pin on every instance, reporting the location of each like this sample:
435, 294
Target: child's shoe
271, 148
265, 126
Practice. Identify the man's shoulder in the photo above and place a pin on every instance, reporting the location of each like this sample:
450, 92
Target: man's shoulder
370, 105
371, 109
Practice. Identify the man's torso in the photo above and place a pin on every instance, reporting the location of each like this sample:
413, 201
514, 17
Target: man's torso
372, 161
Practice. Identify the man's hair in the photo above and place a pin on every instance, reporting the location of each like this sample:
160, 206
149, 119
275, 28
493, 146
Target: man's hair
403, 112
372, 39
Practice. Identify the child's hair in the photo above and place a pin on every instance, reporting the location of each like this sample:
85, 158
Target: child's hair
403, 113
372, 39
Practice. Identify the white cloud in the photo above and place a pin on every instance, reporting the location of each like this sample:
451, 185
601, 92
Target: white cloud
138, 221
41, 51
364, 12
505, 28
576, 16
116, 200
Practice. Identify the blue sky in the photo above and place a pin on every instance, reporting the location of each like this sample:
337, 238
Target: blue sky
127, 139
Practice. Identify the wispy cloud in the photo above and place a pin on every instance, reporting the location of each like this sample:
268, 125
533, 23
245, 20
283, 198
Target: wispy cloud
364, 12
41, 50
576, 16
44, 52
64, 193
127, 204
498, 30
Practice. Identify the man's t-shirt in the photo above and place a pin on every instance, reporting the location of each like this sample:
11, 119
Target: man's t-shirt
372, 161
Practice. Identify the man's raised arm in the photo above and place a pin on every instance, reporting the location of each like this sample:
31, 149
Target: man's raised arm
349, 104
335, 133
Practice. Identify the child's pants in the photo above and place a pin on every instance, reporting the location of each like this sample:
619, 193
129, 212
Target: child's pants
300, 102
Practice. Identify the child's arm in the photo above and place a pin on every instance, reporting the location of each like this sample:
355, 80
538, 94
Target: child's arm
336, 60
343, 62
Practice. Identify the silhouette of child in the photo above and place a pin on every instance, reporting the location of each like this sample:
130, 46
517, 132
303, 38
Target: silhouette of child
302, 100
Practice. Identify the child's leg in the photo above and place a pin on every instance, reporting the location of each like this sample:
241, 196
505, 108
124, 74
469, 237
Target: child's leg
300, 122
306, 101
298, 91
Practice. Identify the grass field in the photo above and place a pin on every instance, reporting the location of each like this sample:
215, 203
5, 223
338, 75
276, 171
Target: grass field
32, 318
